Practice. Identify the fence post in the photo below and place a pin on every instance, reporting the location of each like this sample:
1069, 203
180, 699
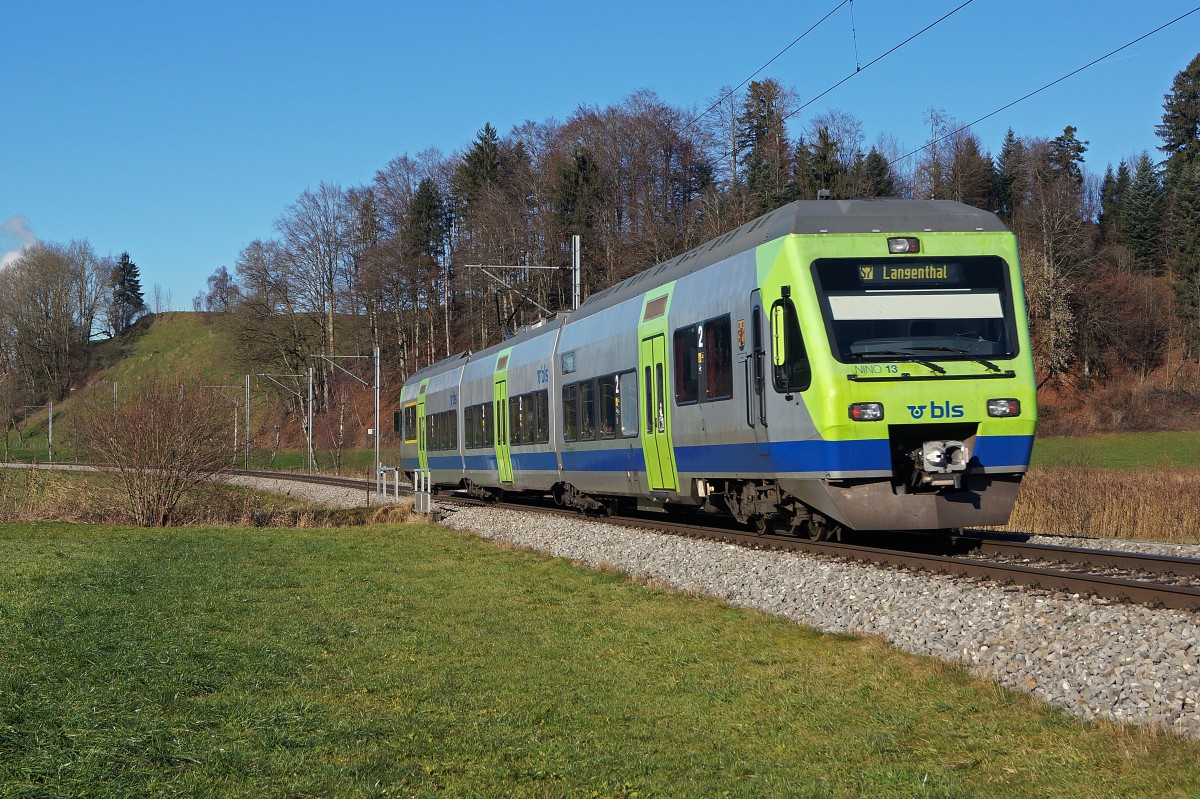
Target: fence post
422, 492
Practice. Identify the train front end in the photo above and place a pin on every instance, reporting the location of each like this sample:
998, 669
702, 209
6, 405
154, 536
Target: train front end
921, 383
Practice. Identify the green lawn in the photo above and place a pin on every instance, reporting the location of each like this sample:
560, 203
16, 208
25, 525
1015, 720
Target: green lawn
415, 661
1120, 450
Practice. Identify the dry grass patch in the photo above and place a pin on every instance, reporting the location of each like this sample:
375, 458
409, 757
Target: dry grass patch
41, 495
1151, 504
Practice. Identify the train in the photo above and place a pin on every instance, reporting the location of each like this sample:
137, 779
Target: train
831, 365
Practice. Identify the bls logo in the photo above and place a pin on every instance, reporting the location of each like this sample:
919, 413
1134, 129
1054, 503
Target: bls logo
937, 410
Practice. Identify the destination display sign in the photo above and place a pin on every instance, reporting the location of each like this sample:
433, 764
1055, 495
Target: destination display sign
911, 275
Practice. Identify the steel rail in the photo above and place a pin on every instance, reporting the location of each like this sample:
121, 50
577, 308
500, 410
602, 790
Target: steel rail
1105, 558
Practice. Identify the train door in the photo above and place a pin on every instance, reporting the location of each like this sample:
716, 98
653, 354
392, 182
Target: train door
756, 376
656, 423
503, 450
422, 437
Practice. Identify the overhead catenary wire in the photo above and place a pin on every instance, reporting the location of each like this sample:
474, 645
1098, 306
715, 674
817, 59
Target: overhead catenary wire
879, 58
854, 38
772, 60
1007, 106
858, 69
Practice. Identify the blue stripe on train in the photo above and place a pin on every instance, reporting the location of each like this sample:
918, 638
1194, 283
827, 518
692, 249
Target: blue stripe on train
534, 462
630, 459
783, 456
834, 456
786, 456
1002, 451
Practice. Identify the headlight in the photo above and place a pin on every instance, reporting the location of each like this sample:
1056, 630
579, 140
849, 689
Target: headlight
1004, 407
904, 244
866, 411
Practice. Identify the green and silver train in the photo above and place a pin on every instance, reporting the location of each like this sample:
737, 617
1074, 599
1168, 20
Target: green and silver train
858, 364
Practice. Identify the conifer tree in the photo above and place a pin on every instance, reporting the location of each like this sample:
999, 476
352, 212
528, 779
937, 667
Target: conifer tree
877, 178
578, 192
1183, 247
127, 303
1141, 225
825, 163
479, 167
1180, 128
1066, 155
767, 150
1113, 195
1008, 168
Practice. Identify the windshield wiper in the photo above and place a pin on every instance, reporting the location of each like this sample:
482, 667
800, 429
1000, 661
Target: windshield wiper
907, 356
965, 354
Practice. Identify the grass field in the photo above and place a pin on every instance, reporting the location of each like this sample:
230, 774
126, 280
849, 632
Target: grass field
1120, 450
414, 661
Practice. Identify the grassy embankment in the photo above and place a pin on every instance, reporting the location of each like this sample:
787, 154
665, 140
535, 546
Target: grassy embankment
416, 661
173, 344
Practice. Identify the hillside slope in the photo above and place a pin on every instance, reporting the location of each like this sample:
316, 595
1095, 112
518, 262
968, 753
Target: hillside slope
200, 350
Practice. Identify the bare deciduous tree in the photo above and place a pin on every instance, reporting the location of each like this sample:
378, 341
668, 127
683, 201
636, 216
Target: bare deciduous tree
164, 440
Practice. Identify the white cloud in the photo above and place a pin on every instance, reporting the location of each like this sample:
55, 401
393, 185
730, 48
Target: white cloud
15, 236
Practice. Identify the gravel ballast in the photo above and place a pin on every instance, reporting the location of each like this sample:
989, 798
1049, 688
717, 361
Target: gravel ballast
1093, 658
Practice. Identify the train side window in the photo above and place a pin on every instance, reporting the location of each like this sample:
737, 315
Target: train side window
410, 423
627, 404
718, 359
661, 390
514, 420
468, 425
587, 410
687, 365
792, 371
486, 425
649, 403
528, 419
541, 402
452, 427
608, 406
570, 413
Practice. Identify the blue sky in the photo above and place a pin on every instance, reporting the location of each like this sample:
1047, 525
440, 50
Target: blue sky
180, 131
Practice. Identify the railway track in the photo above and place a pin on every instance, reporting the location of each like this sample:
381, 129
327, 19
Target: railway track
1154, 580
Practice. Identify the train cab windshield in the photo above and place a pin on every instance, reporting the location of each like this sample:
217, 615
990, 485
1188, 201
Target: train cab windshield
919, 309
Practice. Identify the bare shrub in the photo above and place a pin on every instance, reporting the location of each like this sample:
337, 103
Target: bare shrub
163, 441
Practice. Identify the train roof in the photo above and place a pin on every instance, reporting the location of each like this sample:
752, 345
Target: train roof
802, 216
806, 217
463, 358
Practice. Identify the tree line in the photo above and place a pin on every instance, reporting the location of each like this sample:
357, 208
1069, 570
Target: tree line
1111, 263
55, 300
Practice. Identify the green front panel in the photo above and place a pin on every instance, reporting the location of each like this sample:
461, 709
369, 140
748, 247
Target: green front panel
655, 382
787, 262
500, 421
422, 440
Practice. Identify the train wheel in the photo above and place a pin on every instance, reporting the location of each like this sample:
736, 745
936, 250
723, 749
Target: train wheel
823, 531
